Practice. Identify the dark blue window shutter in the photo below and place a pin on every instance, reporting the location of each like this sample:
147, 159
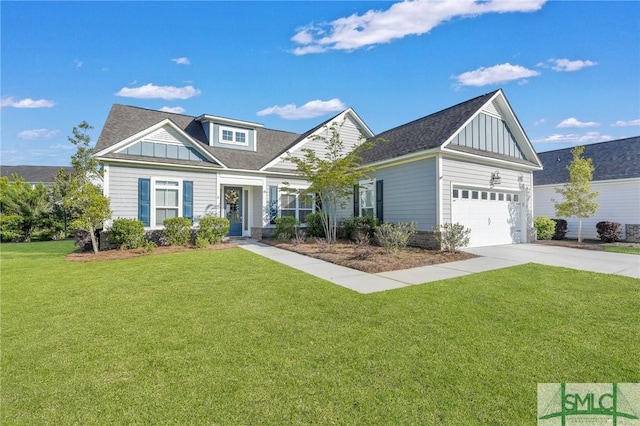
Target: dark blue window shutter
187, 199
144, 201
273, 204
379, 201
356, 200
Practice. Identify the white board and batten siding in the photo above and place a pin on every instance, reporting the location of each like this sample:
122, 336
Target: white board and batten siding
349, 133
495, 221
409, 192
123, 180
619, 201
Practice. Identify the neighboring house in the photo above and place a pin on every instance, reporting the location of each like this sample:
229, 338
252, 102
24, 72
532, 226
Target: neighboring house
616, 176
471, 163
34, 174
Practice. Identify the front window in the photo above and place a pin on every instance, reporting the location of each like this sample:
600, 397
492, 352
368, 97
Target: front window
367, 198
167, 196
232, 136
296, 205
227, 135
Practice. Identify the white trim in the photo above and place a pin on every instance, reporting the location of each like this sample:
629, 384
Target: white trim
593, 182
407, 158
166, 122
227, 121
439, 189
240, 180
234, 134
320, 129
370, 184
491, 161
105, 185
511, 119
153, 206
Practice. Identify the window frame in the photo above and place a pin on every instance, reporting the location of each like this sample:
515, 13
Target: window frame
368, 185
296, 209
235, 132
154, 202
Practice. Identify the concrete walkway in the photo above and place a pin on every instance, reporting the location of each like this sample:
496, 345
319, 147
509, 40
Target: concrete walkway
495, 257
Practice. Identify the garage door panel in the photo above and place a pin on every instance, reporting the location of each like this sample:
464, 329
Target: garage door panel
492, 221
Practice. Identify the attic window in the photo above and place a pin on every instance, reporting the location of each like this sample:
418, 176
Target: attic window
233, 136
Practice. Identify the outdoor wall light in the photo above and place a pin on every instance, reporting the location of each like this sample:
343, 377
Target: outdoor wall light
495, 178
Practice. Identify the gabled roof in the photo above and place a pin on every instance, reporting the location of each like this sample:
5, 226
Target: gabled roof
617, 159
424, 133
125, 121
435, 132
34, 174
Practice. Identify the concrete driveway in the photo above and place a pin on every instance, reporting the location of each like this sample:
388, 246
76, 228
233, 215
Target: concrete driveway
586, 260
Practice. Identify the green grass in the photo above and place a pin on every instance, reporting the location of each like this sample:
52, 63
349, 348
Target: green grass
622, 249
227, 337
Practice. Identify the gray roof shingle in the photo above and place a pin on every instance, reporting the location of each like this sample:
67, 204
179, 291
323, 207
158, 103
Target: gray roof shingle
424, 133
34, 174
617, 159
125, 121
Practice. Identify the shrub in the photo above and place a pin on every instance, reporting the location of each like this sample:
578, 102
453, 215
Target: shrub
212, 229
286, 227
355, 225
609, 232
561, 229
394, 237
545, 227
10, 227
148, 245
202, 242
177, 231
315, 229
451, 236
127, 233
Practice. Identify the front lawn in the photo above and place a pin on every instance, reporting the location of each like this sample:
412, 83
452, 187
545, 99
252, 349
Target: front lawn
228, 337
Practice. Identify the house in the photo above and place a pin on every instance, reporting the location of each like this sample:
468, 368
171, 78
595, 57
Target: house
616, 176
34, 174
471, 163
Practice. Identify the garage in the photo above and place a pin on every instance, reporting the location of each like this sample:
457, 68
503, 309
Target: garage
494, 217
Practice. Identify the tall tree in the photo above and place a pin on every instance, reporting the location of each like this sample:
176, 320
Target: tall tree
579, 199
81, 196
333, 175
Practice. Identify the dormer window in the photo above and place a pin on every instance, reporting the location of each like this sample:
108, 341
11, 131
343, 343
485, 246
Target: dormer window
232, 136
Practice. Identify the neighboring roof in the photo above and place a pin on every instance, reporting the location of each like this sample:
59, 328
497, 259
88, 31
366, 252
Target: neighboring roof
125, 121
34, 174
424, 133
617, 159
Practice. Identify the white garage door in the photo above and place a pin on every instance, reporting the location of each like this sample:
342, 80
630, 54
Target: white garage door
492, 216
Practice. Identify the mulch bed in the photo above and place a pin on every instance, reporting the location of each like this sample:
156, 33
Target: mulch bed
372, 259
89, 256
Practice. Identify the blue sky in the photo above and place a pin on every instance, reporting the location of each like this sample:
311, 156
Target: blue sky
571, 70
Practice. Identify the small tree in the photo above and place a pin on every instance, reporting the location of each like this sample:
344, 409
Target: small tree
24, 208
333, 175
81, 195
579, 199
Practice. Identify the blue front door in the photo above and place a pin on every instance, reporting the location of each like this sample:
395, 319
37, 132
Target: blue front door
233, 209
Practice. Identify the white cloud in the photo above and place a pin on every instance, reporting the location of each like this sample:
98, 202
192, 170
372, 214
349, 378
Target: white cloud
573, 122
567, 65
26, 103
78, 63
629, 123
182, 60
311, 109
400, 20
151, 91
540, 122
501, 73
38, 134
576, 139
175, 110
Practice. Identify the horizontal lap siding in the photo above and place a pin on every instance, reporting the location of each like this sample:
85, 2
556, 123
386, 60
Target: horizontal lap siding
410, 193
349, 134
617, 202
123, 189
458, 172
